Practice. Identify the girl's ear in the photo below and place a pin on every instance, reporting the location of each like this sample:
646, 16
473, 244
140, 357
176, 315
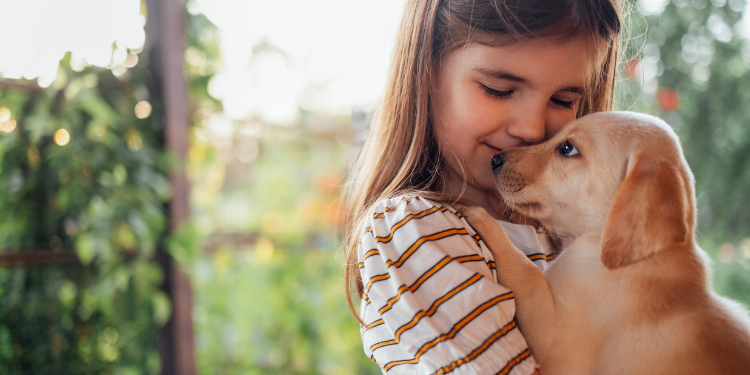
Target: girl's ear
650, 212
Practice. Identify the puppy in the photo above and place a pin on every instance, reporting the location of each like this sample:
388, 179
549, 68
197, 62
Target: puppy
630, 293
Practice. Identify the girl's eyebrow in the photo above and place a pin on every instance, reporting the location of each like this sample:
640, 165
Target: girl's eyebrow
575, 90
501, 74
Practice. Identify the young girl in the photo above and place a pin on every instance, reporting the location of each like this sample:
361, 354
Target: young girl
469, 78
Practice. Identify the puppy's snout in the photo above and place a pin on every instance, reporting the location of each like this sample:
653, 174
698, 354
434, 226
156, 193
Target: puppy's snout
497, 162
510, 181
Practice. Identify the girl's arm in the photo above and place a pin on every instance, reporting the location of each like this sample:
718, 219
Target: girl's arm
430, 301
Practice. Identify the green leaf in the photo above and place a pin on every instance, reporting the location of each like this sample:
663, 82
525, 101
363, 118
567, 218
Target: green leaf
120, 174
97, 108
184, 244
85, 248
67, 293
162, 307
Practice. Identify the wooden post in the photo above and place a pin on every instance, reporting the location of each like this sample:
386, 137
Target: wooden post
165, 30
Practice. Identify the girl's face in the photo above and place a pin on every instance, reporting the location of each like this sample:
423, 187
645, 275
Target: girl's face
488, 99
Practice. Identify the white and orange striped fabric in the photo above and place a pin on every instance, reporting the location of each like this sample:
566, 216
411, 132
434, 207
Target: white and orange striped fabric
431, 301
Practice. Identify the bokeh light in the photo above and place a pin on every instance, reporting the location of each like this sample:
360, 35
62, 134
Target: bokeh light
143, 109
4, 114
62, 137
264, 250
8, 126
33, 155
273, 222
668, 100
134, 140
98, 128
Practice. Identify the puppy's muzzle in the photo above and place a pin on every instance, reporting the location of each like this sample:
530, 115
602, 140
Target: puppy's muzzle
497, 162
510, 180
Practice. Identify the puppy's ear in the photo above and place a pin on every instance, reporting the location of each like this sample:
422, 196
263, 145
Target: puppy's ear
650, 212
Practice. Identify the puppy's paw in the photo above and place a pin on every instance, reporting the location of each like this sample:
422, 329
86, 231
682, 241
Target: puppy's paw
471, 211
491, 232
479, 219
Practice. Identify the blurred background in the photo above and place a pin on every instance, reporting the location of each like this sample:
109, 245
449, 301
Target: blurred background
171, 171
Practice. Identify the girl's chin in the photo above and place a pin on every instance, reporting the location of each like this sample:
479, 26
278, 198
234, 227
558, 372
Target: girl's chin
485, 185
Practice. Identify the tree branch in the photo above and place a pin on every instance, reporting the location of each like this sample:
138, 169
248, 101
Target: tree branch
26, 86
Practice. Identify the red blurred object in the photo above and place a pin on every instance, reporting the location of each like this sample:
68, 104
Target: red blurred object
633, 69
668, 100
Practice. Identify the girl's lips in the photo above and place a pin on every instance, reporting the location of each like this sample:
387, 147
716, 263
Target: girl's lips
493, 151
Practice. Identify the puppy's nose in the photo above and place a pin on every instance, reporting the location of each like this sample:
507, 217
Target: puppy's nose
498, 161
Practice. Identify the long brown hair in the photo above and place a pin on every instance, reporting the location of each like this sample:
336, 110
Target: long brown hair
401, 153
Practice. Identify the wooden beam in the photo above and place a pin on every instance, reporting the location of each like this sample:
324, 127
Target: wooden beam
25, 86
38, 258
165, 30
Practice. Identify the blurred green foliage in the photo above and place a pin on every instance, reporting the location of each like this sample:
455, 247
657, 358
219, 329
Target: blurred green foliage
262, 241
268, 296
700, 64
100, 195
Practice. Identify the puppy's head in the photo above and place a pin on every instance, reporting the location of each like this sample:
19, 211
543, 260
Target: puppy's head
620, 174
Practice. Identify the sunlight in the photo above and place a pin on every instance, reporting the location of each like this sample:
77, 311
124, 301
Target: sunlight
39, 33
329, 55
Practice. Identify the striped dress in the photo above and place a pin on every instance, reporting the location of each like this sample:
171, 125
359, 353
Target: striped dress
431, 302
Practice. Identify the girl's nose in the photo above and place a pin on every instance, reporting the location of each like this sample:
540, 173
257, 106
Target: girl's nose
528, 124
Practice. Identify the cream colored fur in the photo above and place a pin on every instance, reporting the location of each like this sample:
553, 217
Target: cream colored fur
630, 293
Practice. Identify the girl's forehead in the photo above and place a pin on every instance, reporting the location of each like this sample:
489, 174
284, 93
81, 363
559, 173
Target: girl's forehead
580, 56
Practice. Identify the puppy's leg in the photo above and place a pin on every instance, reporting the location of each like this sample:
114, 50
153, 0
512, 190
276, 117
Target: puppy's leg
514, 269
535, 307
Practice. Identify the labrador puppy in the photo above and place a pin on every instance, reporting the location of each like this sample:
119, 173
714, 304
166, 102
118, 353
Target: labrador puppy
630, 292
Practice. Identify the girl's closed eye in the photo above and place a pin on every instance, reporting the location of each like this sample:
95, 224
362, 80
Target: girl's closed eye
563, 103
493, 93
502, 94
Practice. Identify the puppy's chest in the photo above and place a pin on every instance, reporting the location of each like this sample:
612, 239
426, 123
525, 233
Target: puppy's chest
582, 286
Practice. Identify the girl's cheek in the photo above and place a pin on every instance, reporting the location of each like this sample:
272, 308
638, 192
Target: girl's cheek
484, 116
559, 122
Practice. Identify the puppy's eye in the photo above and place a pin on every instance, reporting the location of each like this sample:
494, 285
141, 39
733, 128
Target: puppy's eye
567, 149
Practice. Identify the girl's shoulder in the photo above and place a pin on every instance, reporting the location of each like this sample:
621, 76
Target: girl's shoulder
424, 213
409, 204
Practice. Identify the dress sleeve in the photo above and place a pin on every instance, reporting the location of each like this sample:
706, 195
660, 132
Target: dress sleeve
431, 302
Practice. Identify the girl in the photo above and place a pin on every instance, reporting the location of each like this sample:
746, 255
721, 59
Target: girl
469, 78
